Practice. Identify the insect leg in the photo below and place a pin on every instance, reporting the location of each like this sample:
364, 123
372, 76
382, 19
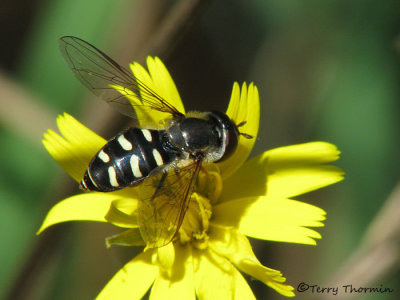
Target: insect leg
160, 184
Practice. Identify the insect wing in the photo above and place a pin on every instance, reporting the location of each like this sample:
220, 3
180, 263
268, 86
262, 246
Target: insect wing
108, 80
165, 198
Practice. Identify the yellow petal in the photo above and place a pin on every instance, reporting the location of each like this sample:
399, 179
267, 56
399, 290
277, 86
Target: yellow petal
76, 149
166, 256
132, 281
242, 288
270, 277
277, 219
303, 154
76, 133
145, 116
82, 207
285, 172
158, 80
122, 212
290, 183
244, 105
130, 237
163, 83
179, 284
215, 283
238, 250
213, 275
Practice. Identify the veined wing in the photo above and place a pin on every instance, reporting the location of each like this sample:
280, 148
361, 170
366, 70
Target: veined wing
164, 199
101, 74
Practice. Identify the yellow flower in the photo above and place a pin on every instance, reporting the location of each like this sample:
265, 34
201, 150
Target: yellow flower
232, 199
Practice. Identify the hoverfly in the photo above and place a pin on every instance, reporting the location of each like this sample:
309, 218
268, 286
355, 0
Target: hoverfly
167, 161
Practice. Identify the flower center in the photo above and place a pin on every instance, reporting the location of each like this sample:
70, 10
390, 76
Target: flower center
207, 190
131, 212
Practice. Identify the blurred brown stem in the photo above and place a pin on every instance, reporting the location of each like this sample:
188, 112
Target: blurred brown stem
172, 29
378, 255
23, 113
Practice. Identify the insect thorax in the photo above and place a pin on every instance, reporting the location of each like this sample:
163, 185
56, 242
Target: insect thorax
203, 134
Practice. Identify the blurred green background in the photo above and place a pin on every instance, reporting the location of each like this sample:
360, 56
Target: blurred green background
326, 70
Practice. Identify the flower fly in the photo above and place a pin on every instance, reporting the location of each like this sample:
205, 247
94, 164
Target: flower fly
166, 161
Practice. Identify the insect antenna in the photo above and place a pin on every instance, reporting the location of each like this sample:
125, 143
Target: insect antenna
245, 135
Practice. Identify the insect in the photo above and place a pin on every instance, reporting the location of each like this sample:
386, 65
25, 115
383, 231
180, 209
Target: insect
165, 162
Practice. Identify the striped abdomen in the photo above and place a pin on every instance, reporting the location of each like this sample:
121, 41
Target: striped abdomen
126, 160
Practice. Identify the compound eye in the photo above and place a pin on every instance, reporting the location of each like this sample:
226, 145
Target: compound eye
232, 138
